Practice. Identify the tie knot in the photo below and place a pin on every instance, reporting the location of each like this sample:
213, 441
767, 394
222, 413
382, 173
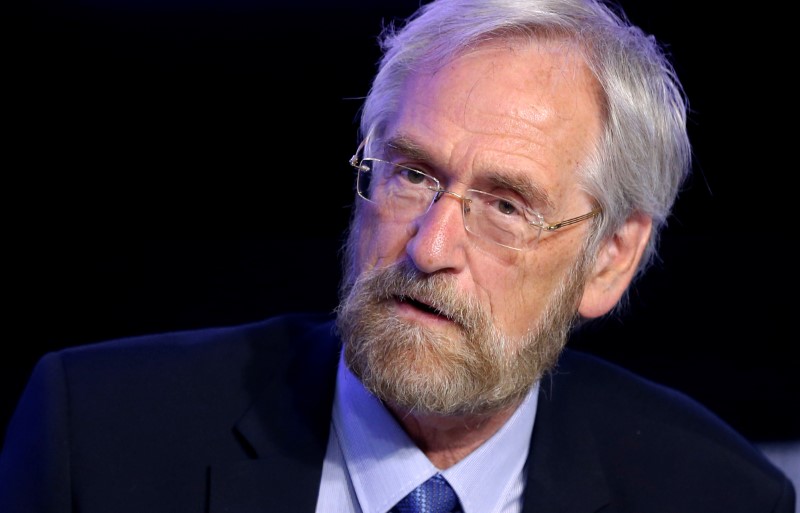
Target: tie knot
433, 496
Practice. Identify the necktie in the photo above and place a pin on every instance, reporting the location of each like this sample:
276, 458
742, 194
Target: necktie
433, 496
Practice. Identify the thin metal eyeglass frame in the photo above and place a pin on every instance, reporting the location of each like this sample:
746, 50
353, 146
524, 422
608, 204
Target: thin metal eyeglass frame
356, 163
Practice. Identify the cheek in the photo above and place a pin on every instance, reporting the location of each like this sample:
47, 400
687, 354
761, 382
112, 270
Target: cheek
378, 243
527, 290
507, 286
518, 289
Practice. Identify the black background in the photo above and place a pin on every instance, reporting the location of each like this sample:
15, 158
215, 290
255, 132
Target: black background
184, 164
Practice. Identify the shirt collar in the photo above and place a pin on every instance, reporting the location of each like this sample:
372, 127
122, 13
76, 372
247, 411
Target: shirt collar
384, 464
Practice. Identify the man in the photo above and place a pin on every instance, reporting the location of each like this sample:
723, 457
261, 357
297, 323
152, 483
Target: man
518, 160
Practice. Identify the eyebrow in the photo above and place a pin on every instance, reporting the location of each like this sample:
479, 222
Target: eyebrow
405, 146
532, 192
503, 179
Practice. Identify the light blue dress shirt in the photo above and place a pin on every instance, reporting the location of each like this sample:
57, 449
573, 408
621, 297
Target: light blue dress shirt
371, 463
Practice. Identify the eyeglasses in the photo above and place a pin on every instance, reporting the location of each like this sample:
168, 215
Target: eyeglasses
402, 194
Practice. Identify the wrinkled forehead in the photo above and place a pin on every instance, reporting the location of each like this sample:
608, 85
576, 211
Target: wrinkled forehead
528, 93
554, 62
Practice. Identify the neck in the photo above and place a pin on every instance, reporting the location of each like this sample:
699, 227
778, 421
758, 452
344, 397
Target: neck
447, 440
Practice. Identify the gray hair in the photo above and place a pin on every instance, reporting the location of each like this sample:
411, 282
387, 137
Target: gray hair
643, 155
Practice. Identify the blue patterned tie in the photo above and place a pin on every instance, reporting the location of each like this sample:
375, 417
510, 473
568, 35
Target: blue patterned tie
433, 496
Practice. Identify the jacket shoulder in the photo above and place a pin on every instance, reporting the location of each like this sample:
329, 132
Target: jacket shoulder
193, 346
167, 405
654, 444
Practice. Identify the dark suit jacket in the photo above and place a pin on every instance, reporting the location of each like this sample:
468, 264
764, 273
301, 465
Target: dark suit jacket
237, 419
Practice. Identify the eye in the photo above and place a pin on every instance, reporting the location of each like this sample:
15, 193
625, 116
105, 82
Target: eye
507, 207
413, 176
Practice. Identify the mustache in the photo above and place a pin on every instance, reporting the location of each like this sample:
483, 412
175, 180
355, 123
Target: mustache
439, 293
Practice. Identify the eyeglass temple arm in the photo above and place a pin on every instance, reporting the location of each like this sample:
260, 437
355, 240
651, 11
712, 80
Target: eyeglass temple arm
567, 222
354, 160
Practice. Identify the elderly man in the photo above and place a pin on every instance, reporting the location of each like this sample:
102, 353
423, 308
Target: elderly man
518, 160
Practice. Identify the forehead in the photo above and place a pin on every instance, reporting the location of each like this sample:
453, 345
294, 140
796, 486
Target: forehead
523, 107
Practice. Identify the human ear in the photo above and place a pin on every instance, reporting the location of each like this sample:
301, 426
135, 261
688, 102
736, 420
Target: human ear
615, 266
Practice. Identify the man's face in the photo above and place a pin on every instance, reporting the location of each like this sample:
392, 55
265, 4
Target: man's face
437, 320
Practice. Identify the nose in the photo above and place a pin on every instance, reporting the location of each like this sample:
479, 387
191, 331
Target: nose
439, 238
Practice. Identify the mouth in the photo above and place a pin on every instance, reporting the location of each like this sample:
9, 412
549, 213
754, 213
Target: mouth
422, 307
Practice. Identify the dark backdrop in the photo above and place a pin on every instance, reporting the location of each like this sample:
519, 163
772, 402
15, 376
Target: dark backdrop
184, 164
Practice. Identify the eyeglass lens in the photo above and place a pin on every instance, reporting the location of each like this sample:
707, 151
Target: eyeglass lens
402, 194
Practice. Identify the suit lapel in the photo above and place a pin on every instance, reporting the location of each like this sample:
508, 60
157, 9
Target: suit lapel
285, 430
565, 473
